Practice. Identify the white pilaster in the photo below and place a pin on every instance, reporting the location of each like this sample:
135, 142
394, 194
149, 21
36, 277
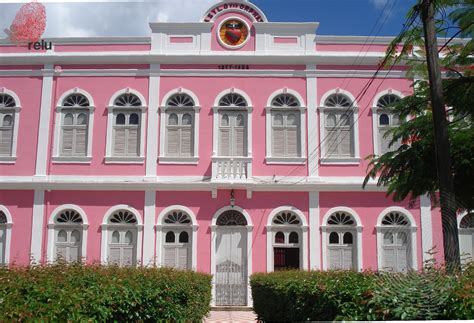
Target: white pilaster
152, 126
313, 137
426, 227
148, 228
37, 226
314, 234
45, 117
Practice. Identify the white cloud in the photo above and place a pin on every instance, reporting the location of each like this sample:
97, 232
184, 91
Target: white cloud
380, 4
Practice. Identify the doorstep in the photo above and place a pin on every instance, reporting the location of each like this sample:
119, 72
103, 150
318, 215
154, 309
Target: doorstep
232, 308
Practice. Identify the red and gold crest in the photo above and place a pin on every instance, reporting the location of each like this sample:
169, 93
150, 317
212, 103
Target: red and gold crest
233, 32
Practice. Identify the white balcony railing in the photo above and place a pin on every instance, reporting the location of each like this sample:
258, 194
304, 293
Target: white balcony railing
231, 168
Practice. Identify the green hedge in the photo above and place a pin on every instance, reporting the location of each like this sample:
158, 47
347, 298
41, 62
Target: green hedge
347, 295
81, 293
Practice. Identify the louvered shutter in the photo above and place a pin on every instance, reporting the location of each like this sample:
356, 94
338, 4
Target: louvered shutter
466, 245
239, 142
402, 263
73, 254
345, 141
3, 234
114, 255
127, 256
389, 259
224, 142
278, 140
67, 141
173, 141
335, 258
384, 142
61, 252
347, 257
80, 134
186, 141
6, 138
292, 142
119, 141
182, 257
132, 142
169, 256
331, 144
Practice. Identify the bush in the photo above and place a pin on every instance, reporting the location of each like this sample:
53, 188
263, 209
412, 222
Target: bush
347, 295
83, 293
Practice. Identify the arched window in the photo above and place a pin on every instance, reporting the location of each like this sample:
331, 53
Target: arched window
5, 228
386, 120
123, 236
396, 243
341, 244
339, 125
466, 238
232, 126
286, 126
286, 228
180, 121
75, 120
68, 236
177, 248
127, 126
8, 115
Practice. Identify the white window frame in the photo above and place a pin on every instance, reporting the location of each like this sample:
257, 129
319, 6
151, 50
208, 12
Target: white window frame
59, 118
411, 230
8, 238
376, 112
16, 121
300, 160
54, 227
164, 110
301, 229
460, 217
112, 110
216, 118
323, 111
357, 230
161, 229
107, 228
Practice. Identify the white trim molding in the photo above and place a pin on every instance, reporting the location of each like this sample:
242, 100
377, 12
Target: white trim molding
16, 122
249, 228
37, 226
148, 232
312, 126
411, 229
357, 229
163, 157
106, 226
426, 227
160, 226
111, 110
301, 229
353, 110
152, 122
314, 233
52, 225
8, 238
301, 108
58, 123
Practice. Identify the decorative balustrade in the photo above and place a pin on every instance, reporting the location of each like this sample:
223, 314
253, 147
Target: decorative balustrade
231, 168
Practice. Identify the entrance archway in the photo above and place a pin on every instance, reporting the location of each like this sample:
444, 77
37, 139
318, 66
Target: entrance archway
231, 259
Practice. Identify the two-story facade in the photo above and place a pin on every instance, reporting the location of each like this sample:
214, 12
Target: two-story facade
230, 146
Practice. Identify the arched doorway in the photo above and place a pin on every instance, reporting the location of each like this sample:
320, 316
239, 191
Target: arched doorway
231, 259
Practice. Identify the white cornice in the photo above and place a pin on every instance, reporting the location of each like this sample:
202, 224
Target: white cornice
90, 41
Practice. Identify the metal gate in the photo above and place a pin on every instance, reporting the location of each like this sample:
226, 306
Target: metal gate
231, 266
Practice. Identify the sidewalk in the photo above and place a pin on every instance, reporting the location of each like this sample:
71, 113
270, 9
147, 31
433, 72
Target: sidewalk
231, 316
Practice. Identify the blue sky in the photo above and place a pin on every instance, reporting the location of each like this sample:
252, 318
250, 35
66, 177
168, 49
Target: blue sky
131, 18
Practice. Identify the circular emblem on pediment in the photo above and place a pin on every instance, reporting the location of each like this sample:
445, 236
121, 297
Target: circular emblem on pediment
233, 33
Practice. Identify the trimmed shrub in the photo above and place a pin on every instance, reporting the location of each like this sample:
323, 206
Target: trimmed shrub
348, 295
83, 293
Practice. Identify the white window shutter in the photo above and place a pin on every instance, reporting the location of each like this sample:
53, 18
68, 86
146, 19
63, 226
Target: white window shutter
389, 259
182, 257
173, 141
278, 140
186, 141
81, 134
335, 259
114, 255
345, 141
292, 142
127, 259
224, 142
347, 257
3, 234
169, 257
402, 263
466, 245
74, 254
384, 142
61, 252
6, 138
239, 142
67, 141
133, 144
331, 142
119, 141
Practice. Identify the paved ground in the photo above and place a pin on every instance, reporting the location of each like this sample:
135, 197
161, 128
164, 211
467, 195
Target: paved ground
231, 316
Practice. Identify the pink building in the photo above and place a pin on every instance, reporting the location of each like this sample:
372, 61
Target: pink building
231, 146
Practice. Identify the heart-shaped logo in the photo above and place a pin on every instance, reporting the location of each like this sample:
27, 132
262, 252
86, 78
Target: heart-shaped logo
233, 35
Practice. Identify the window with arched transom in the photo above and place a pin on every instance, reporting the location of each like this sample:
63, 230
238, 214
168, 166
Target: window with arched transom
386, 120
466, 238
339, 128
122, 238
286, 241
233, 126
180, 123
127, 123
68, 234
75, 121
177, 240
3, 238
9, 113
341, 241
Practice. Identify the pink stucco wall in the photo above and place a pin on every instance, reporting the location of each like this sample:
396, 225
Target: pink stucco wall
20, 205
368, 205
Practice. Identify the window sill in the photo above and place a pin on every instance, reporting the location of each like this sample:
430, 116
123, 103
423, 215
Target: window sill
178, 160
7, 159
285, 160
72, 159
340, 161
124, 160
